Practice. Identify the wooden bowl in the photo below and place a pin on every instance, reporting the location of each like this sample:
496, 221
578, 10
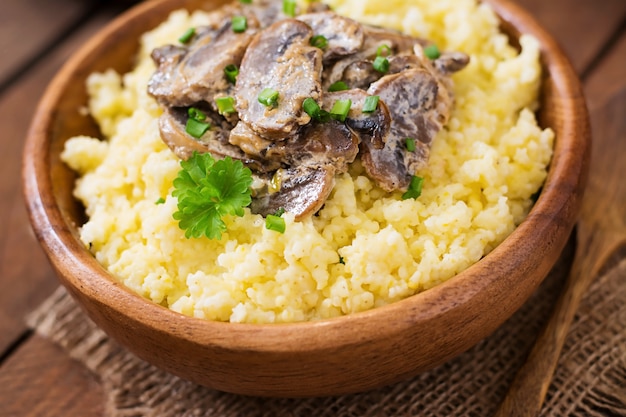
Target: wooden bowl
329, 357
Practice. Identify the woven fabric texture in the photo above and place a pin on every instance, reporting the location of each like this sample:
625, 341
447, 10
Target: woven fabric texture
590, 379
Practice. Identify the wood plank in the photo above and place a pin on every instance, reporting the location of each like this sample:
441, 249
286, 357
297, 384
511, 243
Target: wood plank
609, 76
26, 278
63, 386
581, 27
27, 28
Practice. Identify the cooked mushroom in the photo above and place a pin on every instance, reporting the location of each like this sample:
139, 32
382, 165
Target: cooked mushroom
303, 191
215, 141
345, 36
281, 59
294, 155
415, 116
188, 75
372, 127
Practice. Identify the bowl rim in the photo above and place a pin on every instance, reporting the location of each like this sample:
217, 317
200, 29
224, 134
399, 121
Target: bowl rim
86, 275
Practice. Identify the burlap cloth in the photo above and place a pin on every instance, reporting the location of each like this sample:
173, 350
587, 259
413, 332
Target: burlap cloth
590, 379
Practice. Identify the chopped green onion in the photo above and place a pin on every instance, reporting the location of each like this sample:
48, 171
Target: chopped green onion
231, 71
186, 37
381, 64
289, 7
338, 86
161, 200
340, 109
432, 52
239, 24
319, 41
383, 50
268, 97
370, 104
311, 107
410, 144
280, 212
275, 223
225, 105
415, 188
196, 128
245, 1
196, 114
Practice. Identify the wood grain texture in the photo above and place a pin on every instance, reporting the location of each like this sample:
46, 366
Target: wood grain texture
581, 27
64, 386
601, 233
29, 27
609, 77
26, 278
314, 358
597, 22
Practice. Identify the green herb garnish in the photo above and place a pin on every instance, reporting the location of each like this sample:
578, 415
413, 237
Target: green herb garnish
340, 109
207, 191
275, 222
231, 72
268, 97
289, 7
225, 105
196, 126
432, 52
239, 24
415, 188
371, 104
381, 64
410, 144
319, 41
186, 37
338, 86
161, 200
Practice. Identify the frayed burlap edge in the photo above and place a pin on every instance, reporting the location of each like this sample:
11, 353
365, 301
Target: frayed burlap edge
589, 381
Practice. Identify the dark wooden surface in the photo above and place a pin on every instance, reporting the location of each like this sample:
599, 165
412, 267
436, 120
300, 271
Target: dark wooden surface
36, 37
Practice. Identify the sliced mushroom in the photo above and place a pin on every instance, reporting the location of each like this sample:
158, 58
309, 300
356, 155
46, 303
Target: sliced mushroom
451, 62
215, 141
345, 36
372, 127
303, 191
281, 58
188, 75
415, 115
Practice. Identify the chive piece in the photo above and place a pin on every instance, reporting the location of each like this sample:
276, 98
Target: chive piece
196, 128
319, 41
275, 223
231, 71
381, 64
289, 7
268, 97
196, 114
245, 1
410, 144
225, 105
338, 86
161, 200
371, 104
311, 108
239, 24
186, 37
383, 50
340, 109
415, 188
432, 52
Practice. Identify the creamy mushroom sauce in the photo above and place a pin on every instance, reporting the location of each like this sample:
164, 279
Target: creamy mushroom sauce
282, 144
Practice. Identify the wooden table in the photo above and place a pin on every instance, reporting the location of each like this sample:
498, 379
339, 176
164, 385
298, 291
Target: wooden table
36, 37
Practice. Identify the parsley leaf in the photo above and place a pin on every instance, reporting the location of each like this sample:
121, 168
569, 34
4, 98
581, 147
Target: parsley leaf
208, 190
